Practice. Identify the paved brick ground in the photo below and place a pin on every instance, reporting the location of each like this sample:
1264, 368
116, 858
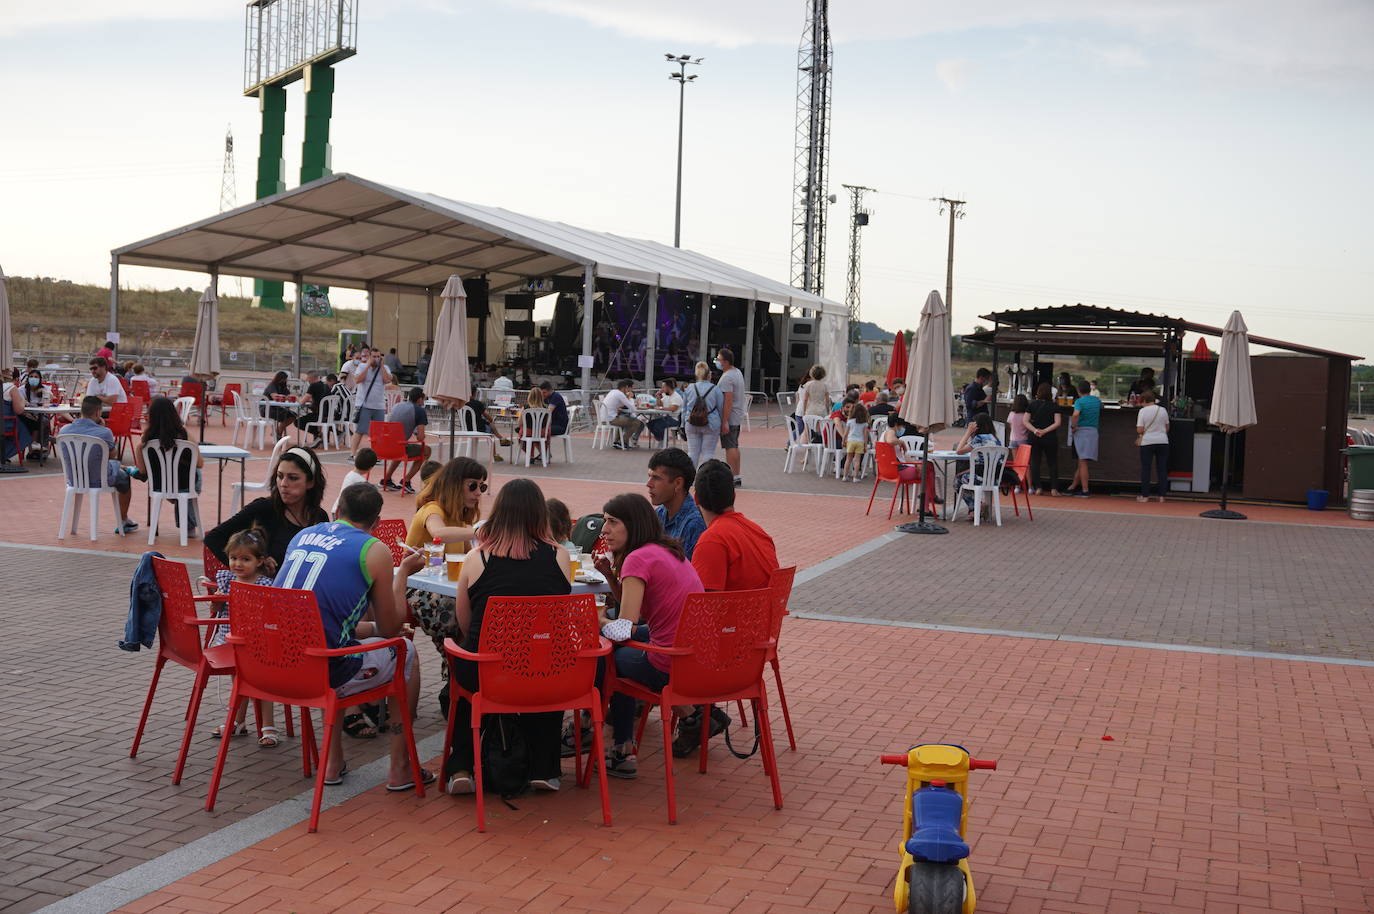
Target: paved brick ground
74, 809
1199, 803
1262, 587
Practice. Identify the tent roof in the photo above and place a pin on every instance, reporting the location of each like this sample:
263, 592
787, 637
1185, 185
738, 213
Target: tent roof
346, 231
1094, 329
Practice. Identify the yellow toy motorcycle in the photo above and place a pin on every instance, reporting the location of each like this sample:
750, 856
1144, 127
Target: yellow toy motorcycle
934, 877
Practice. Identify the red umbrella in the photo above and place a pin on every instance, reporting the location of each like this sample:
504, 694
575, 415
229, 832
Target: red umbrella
1200, 351
896, 366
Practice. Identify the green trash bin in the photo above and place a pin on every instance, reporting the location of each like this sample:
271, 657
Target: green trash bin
1361, 463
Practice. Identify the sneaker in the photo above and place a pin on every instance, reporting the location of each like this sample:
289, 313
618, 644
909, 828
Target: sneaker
688, 736
569, 745
388, 486
130, 526
618, 446
623, 765
545, 784
739, 482
460, 784
1082, 494
407, 489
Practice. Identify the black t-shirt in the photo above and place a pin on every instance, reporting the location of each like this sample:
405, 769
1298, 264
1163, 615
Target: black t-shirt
536, 576
262, 513
317, 391
1040, 413
881, 409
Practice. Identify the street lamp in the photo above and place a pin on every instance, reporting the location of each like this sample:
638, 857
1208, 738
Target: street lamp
683, 61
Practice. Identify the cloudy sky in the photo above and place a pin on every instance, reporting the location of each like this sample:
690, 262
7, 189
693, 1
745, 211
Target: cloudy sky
1185, 158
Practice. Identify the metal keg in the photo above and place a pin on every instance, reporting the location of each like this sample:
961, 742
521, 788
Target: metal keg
1362, 504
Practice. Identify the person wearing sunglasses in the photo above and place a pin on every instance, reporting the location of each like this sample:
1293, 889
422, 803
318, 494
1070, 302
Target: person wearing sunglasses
448, 508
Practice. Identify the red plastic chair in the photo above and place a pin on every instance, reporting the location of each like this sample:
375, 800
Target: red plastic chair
535, 654
141, 389
1021, 465
392, 534
226, 401
120, 422
279, 653
138, 407
124, 383
389, 443
887, 468
9, 428
717, 656
179, 641
780, 583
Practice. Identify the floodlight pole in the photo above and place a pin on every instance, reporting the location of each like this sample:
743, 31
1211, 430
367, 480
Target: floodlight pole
683, 61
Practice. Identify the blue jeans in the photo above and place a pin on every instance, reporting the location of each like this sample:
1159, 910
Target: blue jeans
632, 663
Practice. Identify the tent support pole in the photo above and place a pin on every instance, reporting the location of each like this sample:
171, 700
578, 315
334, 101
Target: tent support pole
747, 363
588, 312
702, 345
649, 333
992, 400
114, 292
784, 350
296, 350
371, 309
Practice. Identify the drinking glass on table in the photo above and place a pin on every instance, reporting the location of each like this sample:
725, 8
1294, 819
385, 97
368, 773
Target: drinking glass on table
574, 562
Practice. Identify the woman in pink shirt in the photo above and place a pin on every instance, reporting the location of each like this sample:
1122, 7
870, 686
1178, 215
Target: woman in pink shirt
650, 577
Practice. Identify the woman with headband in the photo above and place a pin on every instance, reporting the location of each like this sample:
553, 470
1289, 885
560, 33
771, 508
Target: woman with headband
296, 489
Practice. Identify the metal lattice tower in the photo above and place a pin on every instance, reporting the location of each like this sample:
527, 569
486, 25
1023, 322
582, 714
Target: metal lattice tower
811, 168
228, 184
858, 217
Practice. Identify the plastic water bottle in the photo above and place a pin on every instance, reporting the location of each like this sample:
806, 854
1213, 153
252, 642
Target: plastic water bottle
435, 552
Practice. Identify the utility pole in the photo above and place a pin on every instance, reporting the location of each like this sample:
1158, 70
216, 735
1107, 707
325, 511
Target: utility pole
683, 61
858, 217
811, 159
956, 211
228, 186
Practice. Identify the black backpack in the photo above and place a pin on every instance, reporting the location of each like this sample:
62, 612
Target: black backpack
505, 756
700, 415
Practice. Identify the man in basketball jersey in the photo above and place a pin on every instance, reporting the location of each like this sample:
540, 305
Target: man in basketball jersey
350, 572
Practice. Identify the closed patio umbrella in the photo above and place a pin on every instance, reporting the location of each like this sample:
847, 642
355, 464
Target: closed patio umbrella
896, 366
449, 380
1233, 400
205, 350
928, 403
6, 332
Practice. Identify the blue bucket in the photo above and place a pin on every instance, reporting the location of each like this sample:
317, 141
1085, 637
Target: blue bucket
1316, 499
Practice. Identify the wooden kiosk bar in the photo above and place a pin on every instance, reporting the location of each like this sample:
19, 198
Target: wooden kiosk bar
1301, 394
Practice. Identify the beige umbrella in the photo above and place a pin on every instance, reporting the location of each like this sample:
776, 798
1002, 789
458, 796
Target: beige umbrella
449, 381
1233, 400
6, 333
205, 351
928, 402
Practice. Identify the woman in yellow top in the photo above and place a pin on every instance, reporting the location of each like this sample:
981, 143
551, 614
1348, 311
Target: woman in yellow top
450, 506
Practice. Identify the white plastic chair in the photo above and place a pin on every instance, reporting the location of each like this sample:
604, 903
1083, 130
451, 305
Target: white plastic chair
800, 443
534, 422
84, 461
248, 416
566, 437
748, 407
605, 433
326, 423
985, 481
829, 454
239, 490
912, 450
171, 477
184, 406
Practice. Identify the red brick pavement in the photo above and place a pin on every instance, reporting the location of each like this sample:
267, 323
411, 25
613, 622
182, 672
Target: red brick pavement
1232, 785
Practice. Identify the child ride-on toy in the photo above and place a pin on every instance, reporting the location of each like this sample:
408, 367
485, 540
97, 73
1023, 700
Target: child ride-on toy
934, 876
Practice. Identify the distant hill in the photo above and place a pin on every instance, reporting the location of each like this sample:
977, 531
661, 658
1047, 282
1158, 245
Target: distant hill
871, 331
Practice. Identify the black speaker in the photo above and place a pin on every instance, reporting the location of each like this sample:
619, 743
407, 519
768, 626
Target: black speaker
566, 325
476, 288
568, 283
520, 302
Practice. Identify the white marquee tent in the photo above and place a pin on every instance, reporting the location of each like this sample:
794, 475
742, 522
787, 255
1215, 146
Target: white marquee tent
348, 232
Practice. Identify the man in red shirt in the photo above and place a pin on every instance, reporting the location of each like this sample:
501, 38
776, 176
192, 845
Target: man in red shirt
734, 553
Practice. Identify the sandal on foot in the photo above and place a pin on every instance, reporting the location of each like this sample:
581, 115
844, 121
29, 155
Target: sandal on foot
359, 726
270, 738
426, 776
338, 778
239, 730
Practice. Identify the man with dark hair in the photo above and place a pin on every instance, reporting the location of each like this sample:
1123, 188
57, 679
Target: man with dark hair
350, 572
975, 397
734, 553
617, 408
315, 392
670, 481
731, 386
558, 421
392, 361
410, 412
116, 474
105, 385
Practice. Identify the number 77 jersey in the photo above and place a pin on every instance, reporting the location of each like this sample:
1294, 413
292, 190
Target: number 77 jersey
331, 560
